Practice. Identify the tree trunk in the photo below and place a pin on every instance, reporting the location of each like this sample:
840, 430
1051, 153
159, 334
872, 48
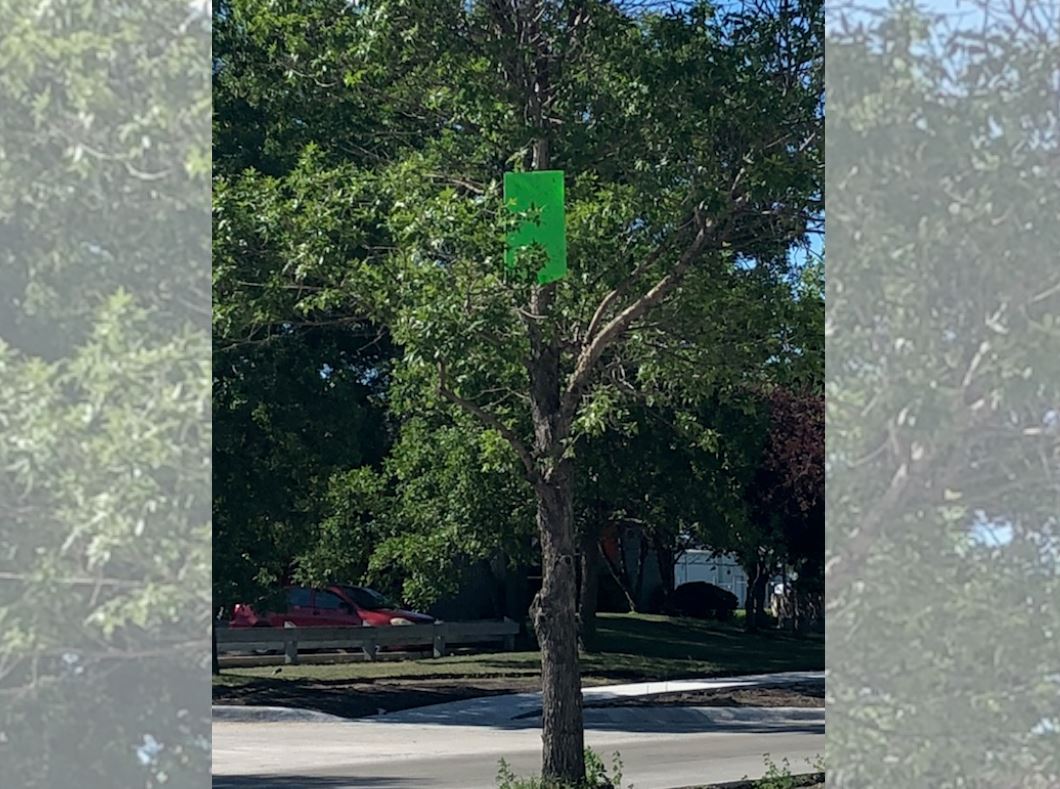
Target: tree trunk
642, 556
497, 570
665, 557
615, 574
555, 623
761, 588
553, 611
755, 600
590, 588
749, 603
791, 604
750, 620
515, 594
624, 579
213, 639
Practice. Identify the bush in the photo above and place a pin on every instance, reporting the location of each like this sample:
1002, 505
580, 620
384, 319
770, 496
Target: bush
781, 777
595, 776
701, 600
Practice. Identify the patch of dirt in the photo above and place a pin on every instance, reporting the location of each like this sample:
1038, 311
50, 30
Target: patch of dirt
807, 781
361, 699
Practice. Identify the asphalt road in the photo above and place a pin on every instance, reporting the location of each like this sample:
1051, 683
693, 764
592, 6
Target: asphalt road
661, 748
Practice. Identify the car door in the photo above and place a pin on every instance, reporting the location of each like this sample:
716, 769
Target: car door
332, 611
300, 611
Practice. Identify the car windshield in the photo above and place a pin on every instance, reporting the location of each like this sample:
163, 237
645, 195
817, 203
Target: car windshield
367, 598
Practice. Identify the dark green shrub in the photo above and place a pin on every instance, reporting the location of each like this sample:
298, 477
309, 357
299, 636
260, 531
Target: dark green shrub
701, 600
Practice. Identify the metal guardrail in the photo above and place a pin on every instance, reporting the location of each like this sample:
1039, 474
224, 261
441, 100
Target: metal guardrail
439, 637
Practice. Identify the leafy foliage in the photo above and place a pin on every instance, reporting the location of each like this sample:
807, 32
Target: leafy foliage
780, 776
301, 423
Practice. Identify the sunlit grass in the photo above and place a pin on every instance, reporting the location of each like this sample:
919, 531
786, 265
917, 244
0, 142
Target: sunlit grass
631, 647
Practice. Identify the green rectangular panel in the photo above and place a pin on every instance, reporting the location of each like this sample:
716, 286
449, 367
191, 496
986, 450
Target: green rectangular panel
541, 190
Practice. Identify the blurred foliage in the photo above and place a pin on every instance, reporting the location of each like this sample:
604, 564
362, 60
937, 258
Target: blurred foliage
943, 385
104, 394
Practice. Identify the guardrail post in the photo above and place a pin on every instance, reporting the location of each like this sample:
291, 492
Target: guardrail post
370, 648
439, 640
509, 640
290, 648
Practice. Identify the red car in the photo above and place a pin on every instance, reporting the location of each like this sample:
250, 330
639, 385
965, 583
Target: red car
337, 606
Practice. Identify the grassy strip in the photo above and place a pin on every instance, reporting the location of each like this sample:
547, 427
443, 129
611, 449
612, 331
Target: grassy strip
631, 647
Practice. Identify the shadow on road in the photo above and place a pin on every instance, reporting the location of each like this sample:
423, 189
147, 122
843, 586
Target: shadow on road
311, 782
640, 720
715, 728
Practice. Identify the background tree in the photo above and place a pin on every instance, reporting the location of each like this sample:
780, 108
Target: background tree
457, 502
676, 474
785, 499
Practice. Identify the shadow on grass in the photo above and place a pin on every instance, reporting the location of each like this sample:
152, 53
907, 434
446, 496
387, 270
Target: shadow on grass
348, 700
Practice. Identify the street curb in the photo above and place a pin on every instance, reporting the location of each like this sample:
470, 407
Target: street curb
704, 719
243, 713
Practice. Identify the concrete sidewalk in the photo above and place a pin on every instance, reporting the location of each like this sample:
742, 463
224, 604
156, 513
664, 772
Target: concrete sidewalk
500, 710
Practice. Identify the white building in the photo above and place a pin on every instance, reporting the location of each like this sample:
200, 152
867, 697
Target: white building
721, 571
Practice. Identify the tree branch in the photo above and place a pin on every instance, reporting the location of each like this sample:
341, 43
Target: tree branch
489, 420
596, 344
621, 288
116, 583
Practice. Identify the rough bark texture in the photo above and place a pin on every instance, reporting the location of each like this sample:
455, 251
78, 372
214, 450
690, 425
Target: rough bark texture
553, 610
642, 556
515, 593
555, 623
748, 602
790, 611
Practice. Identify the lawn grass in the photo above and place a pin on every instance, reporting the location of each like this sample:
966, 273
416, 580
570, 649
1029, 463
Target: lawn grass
631, 648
